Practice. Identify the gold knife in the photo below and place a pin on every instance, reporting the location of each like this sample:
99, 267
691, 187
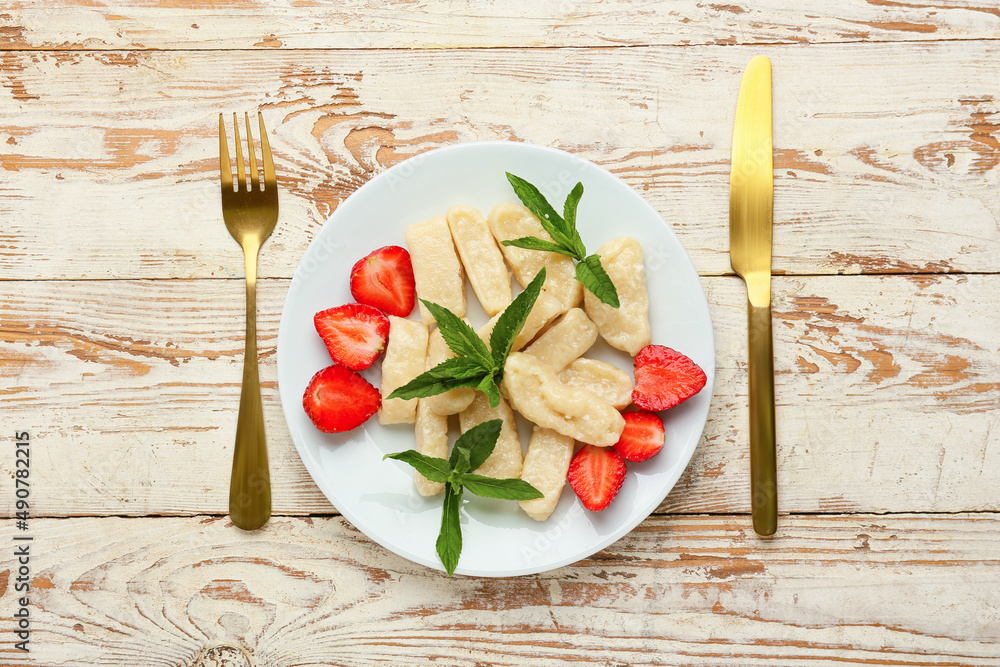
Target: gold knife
751, 198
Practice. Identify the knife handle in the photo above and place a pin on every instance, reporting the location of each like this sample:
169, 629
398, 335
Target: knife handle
763, 465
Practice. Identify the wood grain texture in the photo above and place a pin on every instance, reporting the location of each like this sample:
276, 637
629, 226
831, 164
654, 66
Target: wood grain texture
887, 392
286, 24
881, 166
692, 590
888, 386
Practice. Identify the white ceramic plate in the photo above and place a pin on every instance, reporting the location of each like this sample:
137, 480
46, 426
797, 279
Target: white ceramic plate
378, 496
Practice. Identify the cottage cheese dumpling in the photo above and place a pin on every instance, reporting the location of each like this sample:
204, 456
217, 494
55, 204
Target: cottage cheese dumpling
513, 221
565, 340
437, 272
535, 391
545, 467
481, 258
546, 309
431, 434
452, 401
505, 461
626, 327
600, 378
405, 357
431, 431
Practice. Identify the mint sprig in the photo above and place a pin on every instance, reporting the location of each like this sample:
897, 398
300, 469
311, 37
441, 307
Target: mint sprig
475, 364
565, 237
459, 336
470, 451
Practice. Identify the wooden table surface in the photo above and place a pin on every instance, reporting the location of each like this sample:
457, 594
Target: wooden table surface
121, 326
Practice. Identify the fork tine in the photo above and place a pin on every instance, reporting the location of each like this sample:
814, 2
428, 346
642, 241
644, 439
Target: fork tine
270, 183
254, 176
225, 167
241, 183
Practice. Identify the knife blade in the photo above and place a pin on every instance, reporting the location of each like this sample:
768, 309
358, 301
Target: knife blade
751, 199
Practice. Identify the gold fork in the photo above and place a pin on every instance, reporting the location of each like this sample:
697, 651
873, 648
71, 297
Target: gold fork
250, 212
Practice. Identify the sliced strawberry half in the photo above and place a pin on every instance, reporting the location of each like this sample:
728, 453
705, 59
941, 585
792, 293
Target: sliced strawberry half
643, 436
665, 378
355, 334
338, 399
596, 474
384, 279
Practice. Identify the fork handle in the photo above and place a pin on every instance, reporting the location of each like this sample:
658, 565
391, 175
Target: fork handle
763, 464
250, 485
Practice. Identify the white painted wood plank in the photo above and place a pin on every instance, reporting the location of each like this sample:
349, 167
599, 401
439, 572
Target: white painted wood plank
694, 590
285, 24
881, 166
887, 392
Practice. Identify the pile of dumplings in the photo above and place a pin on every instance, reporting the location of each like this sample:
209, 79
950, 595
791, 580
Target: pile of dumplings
568, 397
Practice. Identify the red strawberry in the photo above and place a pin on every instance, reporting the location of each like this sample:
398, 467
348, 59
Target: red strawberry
643, 436
354, 334
384, 279
338, 399
596, 474
664, 378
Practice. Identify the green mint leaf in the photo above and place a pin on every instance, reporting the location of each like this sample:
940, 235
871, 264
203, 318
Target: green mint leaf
449, 541
571, 204
507, 489
431, 467
459, 461
532, 243
481, 449
461, 338
488, 386
449, 374
569, 214
475, 446
511, 321
539, 206
595, 278
533, 200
